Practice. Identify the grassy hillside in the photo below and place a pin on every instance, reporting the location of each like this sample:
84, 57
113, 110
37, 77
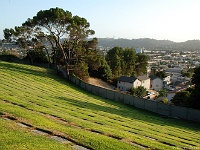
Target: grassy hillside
36, 106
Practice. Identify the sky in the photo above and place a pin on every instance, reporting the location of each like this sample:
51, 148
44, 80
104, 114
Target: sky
175, 20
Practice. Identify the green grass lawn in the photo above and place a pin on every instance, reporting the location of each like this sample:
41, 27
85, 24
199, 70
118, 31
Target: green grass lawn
38, 97
14, 137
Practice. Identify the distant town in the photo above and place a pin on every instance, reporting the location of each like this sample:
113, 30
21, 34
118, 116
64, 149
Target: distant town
174, 63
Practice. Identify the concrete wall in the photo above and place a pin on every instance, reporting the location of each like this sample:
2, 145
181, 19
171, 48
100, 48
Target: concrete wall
149, 105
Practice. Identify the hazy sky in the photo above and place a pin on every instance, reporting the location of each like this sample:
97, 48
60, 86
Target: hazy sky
176, 20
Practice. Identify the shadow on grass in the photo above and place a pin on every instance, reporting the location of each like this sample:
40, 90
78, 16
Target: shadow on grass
45, 72
131, 112
121, 109
20, 68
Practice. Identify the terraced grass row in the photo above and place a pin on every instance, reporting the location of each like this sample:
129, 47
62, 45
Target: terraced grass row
14, 137
34, 93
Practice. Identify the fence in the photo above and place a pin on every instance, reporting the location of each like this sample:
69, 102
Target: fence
149, 105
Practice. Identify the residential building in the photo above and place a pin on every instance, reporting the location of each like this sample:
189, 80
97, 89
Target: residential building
125, 83
174, 73
156, 83
145, 81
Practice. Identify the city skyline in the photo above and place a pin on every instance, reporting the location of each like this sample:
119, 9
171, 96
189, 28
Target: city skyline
162, 20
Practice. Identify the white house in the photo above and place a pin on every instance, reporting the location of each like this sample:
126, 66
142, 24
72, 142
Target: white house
125, 83
156, 83
145, 81
167, 80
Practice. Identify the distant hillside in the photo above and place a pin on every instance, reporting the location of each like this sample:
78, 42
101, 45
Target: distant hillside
150, 44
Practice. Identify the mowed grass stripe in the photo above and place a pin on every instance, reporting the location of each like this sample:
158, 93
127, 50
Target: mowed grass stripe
80, 136
138, 139
14, 137
53, 95
160, 138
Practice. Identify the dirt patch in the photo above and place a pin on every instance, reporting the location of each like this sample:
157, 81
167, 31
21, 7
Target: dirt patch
100, 83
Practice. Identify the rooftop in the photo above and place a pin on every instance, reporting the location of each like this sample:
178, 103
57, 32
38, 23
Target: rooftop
127, 79
143, 77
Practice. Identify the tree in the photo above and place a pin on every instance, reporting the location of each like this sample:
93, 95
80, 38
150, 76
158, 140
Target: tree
25, 39
80, 70
187, 73
162, 93
105, 72
8, 34
98, 66
196, 92
182, 99
141, 64
55, 25
114, 61
37, 55
161, 74
153, 71
64, 33
129, 60
121, 61
140, 91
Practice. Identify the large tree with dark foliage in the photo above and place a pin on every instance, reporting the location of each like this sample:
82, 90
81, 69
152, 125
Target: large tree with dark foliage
66, 35
182, 99
141, 64
55, 25
126, 62
195, 100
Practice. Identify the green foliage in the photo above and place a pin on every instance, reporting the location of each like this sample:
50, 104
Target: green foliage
196, 92
162, 93
153, 71
129, 60
140, 91
187, 73
81, 70
165, 100
97, 64
8, 34
195, 101
9, 57
121, 61
64, 33
105, 72
182, 99
141, 64
161, 74
37, 55
196, 77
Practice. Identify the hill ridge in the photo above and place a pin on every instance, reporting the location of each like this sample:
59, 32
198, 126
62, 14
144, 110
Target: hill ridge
150, 44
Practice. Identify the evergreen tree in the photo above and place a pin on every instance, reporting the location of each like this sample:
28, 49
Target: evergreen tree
141, 64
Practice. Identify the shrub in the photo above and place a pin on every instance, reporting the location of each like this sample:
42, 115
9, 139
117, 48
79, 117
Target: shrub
165, 100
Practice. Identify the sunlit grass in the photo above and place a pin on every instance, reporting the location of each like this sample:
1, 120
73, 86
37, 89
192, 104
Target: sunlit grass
33, 94
13, 137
